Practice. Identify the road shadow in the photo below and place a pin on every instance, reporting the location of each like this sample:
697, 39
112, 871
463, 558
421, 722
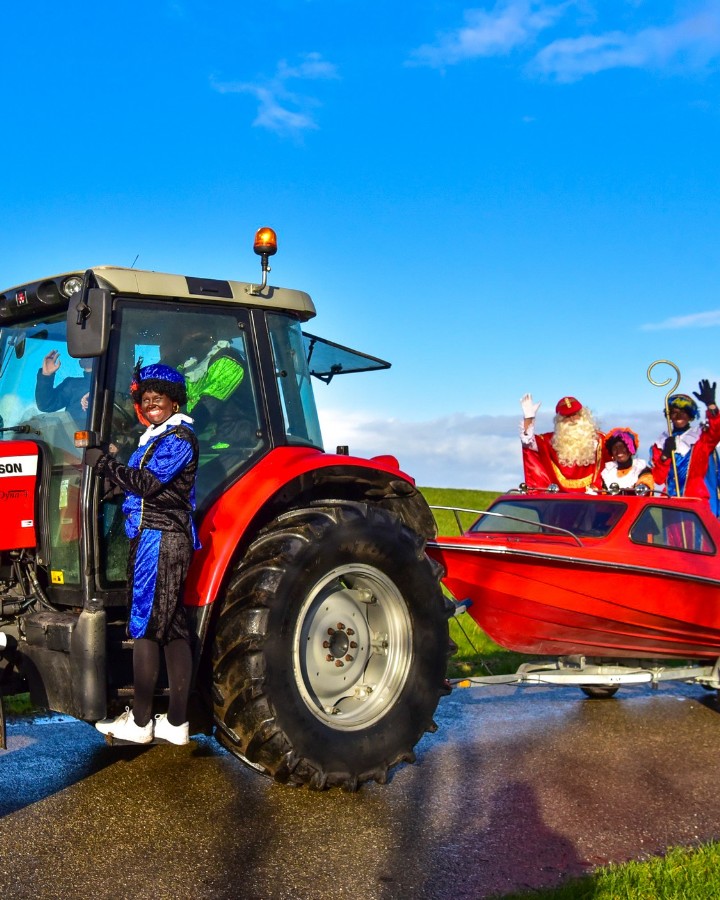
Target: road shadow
46, 753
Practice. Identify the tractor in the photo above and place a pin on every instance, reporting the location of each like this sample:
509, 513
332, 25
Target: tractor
320, 630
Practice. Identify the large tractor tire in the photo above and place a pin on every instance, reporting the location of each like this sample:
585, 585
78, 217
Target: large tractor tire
330, 652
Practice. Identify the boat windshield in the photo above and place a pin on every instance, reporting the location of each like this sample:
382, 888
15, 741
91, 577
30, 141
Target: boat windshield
584, 518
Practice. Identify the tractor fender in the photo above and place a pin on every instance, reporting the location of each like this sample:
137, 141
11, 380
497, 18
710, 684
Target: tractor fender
292, 477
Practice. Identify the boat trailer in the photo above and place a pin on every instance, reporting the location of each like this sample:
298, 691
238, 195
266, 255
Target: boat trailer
600, 678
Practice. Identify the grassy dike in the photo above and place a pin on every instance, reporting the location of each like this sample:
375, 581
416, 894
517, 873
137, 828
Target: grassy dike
682, 874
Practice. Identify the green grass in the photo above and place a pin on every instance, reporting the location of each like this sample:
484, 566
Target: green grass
477, 654
682, 874
460, 499
18, 704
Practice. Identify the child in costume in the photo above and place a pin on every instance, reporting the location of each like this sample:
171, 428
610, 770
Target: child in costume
623, 468
159, 485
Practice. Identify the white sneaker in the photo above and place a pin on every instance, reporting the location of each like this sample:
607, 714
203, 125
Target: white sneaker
173, 734
124, 728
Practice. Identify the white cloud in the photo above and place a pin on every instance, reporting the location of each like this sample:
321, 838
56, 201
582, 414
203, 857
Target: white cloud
691, 43
462, 451
510, 24
279, 109
451, 451
693, 320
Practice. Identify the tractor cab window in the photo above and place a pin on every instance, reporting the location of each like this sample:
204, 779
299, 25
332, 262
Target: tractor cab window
678, 529
212, 350
45, 397
293, 377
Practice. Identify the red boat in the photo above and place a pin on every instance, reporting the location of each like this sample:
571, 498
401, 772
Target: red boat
598, 580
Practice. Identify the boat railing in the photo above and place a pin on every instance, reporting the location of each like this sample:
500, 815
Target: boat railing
555, 529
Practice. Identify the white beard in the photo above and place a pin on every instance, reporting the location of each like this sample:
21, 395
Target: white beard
575, 442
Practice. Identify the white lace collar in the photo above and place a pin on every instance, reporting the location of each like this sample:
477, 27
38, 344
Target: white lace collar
154, 431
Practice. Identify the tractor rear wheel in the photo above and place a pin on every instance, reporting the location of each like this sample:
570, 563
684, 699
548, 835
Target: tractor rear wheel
331, 648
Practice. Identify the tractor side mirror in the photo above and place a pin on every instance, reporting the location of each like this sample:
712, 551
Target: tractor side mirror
88, 320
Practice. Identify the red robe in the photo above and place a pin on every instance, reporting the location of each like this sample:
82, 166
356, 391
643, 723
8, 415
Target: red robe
702, 442
542, 467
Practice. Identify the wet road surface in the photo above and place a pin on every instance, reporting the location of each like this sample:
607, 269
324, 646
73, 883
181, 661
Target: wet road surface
520, 787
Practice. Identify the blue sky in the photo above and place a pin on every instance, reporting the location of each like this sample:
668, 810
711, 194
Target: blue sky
497, 197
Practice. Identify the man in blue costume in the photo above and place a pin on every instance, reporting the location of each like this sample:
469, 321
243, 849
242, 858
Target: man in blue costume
687, 455
159, 485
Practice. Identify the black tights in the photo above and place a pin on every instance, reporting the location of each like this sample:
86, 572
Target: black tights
146, 668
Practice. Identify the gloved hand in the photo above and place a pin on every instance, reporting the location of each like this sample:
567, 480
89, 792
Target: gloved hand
706, 392
668, 447
528, 407
92, 456
110, 490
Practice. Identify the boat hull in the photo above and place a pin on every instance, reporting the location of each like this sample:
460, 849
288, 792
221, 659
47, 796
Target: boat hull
556, 603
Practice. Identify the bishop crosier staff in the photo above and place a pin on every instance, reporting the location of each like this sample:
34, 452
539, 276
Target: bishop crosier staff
668, 420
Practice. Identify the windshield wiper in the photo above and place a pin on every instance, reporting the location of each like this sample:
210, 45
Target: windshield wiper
20, 429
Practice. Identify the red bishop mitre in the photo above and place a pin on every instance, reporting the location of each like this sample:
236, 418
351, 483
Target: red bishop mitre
568, 406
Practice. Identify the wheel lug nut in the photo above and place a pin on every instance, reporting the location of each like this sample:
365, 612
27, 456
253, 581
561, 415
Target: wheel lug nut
349, 658
340, 626
326, 644
350, 632
339, 662
331, 631
353, 645
329, 657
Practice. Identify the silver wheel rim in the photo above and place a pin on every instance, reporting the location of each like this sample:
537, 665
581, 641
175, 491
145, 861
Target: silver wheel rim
352, 647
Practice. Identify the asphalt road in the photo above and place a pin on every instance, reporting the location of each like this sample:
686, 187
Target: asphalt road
520, 787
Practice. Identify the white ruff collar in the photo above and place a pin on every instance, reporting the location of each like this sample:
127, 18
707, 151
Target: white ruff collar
154, 431
684, 441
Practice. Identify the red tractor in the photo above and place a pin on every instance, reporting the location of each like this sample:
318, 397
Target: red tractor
320, 627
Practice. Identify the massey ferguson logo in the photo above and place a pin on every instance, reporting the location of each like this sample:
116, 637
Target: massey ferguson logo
18, 465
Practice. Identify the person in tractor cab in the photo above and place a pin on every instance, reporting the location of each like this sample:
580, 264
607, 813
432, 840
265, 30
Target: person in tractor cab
71, 394
219, 396
159, 485
623, 468
571, 456
684, 462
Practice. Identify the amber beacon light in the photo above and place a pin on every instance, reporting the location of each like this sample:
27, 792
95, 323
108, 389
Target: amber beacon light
265, 242
265, 246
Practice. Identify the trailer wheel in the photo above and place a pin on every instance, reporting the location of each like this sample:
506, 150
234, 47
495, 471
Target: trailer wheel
599, 691
330, 652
